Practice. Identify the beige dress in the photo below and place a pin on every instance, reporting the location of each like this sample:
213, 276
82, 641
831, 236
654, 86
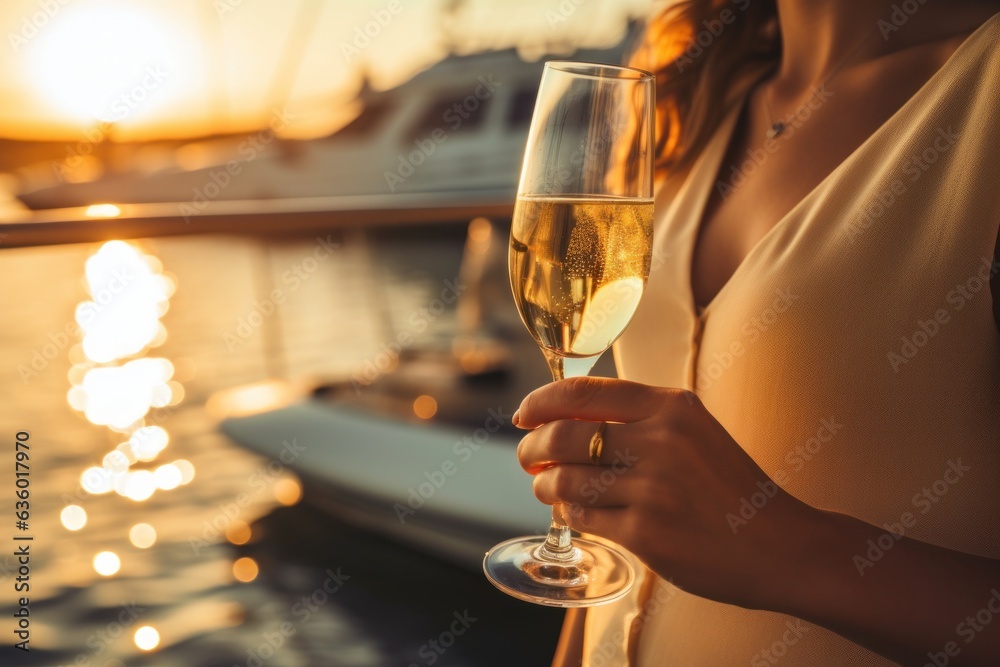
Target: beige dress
853, 354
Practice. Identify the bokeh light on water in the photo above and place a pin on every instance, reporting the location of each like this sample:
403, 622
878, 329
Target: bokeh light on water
73, 517
142, 535
128, 296
114, 384
147, 638
107, 563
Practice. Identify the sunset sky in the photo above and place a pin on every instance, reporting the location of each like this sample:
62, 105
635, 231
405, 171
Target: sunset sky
169, 68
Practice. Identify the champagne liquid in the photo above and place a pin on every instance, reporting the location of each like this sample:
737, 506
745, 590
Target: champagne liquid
578, 267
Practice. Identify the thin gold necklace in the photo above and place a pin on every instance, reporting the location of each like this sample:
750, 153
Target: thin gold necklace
776, 128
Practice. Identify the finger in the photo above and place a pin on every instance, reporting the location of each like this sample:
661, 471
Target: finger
592, 399
583, 486
568, 441
611, 523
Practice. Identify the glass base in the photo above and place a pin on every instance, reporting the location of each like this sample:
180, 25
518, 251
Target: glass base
592, 574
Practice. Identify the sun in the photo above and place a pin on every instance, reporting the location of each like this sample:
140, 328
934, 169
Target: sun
109, 63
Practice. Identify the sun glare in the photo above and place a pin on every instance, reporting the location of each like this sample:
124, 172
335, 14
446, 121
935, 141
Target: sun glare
108, 63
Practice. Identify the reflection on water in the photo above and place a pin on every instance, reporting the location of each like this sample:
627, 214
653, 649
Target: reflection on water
251, 399
119, 396
128, 296
142, 535
287, 491
107, 563
116, 385
245, 569
192, 576
73, 517
238, 532
147, 638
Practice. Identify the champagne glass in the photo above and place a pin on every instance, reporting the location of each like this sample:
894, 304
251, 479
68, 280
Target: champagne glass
580, 250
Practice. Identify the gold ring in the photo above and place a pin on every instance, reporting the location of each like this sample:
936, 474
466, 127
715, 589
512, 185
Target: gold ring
597, 444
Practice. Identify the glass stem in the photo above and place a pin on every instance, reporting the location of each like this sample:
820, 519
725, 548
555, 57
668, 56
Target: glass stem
558, 546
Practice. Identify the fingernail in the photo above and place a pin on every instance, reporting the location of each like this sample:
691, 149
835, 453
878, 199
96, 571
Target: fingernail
515, 419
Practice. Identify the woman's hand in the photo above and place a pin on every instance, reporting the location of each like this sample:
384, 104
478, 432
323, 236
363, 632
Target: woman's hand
670, 489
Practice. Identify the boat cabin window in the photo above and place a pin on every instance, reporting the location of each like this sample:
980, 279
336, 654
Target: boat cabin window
458, 114
522, 104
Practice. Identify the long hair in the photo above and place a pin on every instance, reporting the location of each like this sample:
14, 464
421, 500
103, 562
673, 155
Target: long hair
697, 49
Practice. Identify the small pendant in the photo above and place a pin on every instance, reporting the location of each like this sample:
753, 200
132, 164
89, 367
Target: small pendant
776, 130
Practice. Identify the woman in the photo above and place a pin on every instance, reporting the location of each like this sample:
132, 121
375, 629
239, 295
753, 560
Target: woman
824, 285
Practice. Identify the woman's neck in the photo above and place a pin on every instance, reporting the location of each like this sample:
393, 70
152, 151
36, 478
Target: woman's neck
817, 35
820, 36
